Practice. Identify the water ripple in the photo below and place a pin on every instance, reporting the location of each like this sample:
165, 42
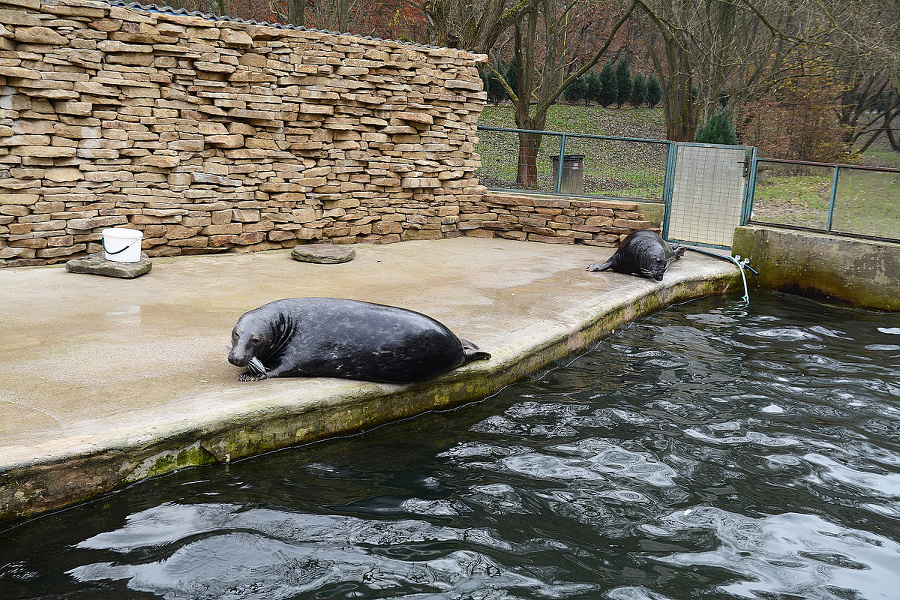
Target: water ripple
790, 555
224, 552
712, 450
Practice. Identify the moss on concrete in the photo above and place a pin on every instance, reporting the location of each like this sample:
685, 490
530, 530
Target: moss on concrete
171, 460
857, 272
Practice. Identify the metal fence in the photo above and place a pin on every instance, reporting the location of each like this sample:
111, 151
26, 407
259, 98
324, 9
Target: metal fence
709, 193
573, 164
849, 200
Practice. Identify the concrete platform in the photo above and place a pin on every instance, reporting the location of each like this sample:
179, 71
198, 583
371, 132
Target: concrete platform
105, 381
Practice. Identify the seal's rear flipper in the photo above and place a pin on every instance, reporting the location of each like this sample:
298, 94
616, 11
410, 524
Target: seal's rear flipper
679, 251
473, 352
601, 267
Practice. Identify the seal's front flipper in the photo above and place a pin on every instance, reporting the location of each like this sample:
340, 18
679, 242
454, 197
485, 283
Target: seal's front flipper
256, 371
251, 376
601, 267
473, 352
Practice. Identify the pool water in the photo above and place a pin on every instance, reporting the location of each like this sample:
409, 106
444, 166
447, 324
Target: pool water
711, 450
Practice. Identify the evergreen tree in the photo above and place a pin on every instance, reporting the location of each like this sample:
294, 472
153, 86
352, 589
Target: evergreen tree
609, 88
492, 85
718, 130
623, 82
654, 91
595, 88
495, 89
576, 91
638, 90
512, 76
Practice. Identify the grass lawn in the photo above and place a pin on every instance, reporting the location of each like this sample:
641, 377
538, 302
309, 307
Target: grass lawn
799, 199
610, 168
866, 202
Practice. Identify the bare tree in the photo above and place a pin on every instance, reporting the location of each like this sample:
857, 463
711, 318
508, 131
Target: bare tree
471, 24
710, 51
296, 14
865, 50
338, 15
540, 69
333, 15
868, 105
707, 51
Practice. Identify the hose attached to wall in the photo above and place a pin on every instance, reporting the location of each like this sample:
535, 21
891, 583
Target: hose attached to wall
741, 264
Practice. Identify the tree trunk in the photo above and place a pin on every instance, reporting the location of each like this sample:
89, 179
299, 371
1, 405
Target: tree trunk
679, 99
529, 144
539, 79
528, 77
297, 12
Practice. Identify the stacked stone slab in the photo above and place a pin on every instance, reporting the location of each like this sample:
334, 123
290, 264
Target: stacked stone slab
553, 220
217, 135
214, 136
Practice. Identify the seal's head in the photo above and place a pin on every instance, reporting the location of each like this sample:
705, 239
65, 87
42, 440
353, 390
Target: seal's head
250, 340
654, 263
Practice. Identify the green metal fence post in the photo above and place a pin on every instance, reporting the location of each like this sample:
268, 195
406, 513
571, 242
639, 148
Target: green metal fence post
751, 186
668, 185
559, 166
834, 184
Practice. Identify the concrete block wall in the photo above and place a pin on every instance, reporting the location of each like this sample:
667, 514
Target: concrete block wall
214, 135
833, 268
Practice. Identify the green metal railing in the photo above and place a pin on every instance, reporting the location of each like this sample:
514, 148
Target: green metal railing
572, 164
849, 200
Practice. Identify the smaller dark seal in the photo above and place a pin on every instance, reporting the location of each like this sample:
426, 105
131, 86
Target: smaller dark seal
642, 253
333, 337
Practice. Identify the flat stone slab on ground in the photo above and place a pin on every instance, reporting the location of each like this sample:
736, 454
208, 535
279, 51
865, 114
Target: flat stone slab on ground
326, 254
97, 264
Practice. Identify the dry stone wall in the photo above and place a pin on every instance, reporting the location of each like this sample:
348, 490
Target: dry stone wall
217, 135
213, 136
554, 220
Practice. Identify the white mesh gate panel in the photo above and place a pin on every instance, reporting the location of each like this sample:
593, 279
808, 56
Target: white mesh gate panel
708, 192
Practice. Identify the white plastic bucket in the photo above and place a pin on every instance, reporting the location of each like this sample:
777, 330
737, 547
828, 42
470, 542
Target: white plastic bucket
122, 245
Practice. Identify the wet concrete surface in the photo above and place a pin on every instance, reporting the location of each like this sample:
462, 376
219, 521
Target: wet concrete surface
105, 380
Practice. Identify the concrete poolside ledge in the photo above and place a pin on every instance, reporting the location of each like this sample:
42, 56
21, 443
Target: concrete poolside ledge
106, 381
844, 270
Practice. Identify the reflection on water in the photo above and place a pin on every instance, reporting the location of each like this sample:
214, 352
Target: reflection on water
708, 451
227, 551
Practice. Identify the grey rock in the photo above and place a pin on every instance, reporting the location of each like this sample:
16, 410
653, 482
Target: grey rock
96, 264
326, 254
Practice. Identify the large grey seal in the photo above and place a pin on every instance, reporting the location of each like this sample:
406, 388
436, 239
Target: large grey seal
643, 253
334, 337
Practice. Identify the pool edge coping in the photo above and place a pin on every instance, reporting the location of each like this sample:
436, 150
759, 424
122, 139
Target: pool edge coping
51, 483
